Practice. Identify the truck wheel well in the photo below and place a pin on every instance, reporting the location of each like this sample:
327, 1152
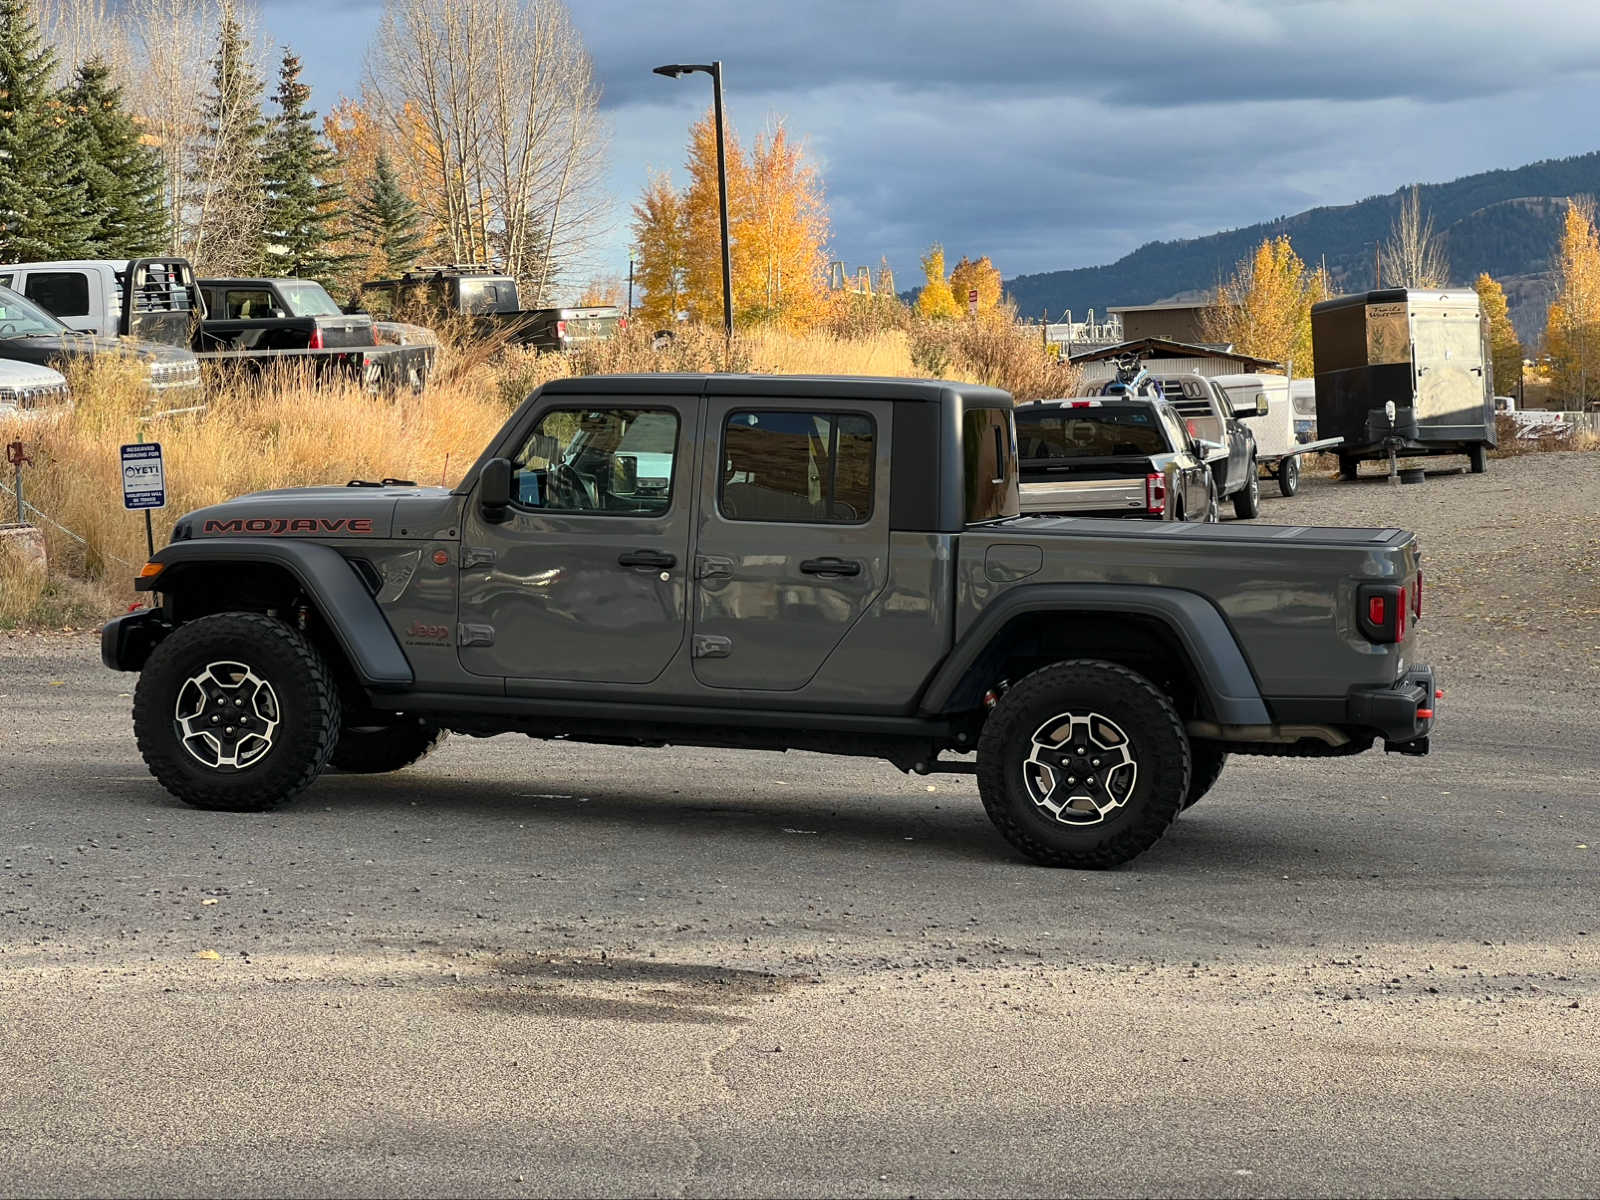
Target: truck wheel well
196, 590
1033, 640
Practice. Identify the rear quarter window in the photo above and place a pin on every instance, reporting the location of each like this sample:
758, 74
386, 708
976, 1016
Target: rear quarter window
989, 464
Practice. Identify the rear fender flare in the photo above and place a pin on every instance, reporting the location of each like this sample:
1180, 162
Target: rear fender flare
1224, 675
348, 609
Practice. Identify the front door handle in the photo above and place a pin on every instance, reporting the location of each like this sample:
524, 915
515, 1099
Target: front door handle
830, 566
655, 560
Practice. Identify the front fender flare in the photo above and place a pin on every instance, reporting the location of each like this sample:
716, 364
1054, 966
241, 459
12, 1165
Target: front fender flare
341, 598
1224, 675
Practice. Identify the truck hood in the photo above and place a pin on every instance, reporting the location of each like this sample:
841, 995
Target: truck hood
328, 513
55, 347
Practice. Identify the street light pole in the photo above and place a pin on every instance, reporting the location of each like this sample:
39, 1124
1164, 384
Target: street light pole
714, 69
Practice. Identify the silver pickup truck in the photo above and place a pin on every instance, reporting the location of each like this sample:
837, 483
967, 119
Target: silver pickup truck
1113, 457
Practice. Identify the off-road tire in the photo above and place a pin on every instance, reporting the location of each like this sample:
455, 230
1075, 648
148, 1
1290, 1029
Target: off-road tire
1478, 458
1289, 475
1348, 466
307, 702
1156, 739
378, 749
1206, 760
1247, 500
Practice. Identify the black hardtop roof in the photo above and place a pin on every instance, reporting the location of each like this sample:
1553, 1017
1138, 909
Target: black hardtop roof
856, 387
1057, 403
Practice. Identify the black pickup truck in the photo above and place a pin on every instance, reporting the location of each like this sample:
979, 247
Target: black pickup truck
491, 303
160, 302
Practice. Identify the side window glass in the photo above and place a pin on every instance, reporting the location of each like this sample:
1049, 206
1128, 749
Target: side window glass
988, 441
64, 293
599, 461
809, 467
252, 305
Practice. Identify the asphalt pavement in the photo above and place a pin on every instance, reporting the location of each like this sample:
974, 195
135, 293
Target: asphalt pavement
529, 968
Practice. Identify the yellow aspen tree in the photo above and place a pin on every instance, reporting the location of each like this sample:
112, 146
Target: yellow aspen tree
1572, 326
784, 235
1264, 308
661, 245
936, 301
978, 275
703, 256
1504, 347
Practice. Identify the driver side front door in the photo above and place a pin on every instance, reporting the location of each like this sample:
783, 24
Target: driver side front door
586, 578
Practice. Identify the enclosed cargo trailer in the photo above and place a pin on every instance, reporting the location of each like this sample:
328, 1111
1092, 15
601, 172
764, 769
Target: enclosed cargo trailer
1427, 352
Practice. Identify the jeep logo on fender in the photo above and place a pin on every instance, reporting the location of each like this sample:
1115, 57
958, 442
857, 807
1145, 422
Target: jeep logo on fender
432, 633
278, 526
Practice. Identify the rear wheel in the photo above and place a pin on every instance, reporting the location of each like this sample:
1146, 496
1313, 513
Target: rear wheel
1478, 458
1348, 466
1289, 475
1247, 500
376, 749
1083, 764
235, 712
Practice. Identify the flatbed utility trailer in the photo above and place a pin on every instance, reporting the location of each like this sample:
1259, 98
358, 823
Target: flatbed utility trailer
1427, 353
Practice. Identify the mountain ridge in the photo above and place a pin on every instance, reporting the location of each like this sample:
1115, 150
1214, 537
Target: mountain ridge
1504, 221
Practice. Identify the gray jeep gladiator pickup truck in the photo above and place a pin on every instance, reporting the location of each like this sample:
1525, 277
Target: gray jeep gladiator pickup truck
770, 563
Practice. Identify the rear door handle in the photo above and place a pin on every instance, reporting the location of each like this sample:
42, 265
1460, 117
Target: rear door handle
655, 560
830, 566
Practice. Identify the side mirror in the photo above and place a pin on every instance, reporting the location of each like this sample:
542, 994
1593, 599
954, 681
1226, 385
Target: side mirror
626, 468
1262, 407
1207, 448
494, 489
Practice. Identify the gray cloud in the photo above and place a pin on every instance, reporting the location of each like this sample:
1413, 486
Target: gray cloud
1051, 134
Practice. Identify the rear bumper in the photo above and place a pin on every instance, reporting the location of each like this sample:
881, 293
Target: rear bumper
1402, 713
126, 641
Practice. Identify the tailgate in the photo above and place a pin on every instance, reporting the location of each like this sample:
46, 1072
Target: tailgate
1053, 494
339, 333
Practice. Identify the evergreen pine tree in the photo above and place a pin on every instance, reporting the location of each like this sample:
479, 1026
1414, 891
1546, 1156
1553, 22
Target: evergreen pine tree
122, 178
225, 179
303, 194
41, 205
388, 221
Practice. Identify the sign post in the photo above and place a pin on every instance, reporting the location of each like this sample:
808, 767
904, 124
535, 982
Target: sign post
144, 484
972, 302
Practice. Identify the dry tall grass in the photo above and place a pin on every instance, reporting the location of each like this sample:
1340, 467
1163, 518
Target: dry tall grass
288, 430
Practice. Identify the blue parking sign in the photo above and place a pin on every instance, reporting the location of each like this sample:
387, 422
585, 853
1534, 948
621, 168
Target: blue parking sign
144, 476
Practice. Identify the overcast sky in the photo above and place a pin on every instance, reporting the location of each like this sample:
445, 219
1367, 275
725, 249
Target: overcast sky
1064, 134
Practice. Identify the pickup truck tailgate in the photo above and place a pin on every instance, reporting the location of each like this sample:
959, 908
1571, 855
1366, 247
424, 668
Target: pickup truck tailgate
1051, 494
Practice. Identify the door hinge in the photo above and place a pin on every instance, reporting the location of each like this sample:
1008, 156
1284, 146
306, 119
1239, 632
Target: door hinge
709, 566
708, 645
475, 635
477, 556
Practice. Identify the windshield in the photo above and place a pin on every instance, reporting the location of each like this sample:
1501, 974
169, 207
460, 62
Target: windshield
19, 317
307, 299
1090, 433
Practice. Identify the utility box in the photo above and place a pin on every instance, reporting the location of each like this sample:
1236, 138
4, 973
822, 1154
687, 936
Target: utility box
1427, 351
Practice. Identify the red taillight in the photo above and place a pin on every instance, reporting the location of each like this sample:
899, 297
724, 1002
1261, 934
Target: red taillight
1082, 404
1382, 612
1193, 432
1155, 494
622, 322
316, 338
561, 329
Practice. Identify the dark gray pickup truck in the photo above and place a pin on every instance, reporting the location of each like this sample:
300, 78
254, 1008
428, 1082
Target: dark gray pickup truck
770, 563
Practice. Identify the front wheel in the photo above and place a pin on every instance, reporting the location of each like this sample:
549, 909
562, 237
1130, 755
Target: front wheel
1478, 458
235, 712
1247, 500
1083, 764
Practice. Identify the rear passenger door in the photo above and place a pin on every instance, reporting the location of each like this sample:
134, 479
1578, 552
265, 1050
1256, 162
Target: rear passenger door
793, 537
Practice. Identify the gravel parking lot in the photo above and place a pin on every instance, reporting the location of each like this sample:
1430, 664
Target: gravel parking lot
527, 968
